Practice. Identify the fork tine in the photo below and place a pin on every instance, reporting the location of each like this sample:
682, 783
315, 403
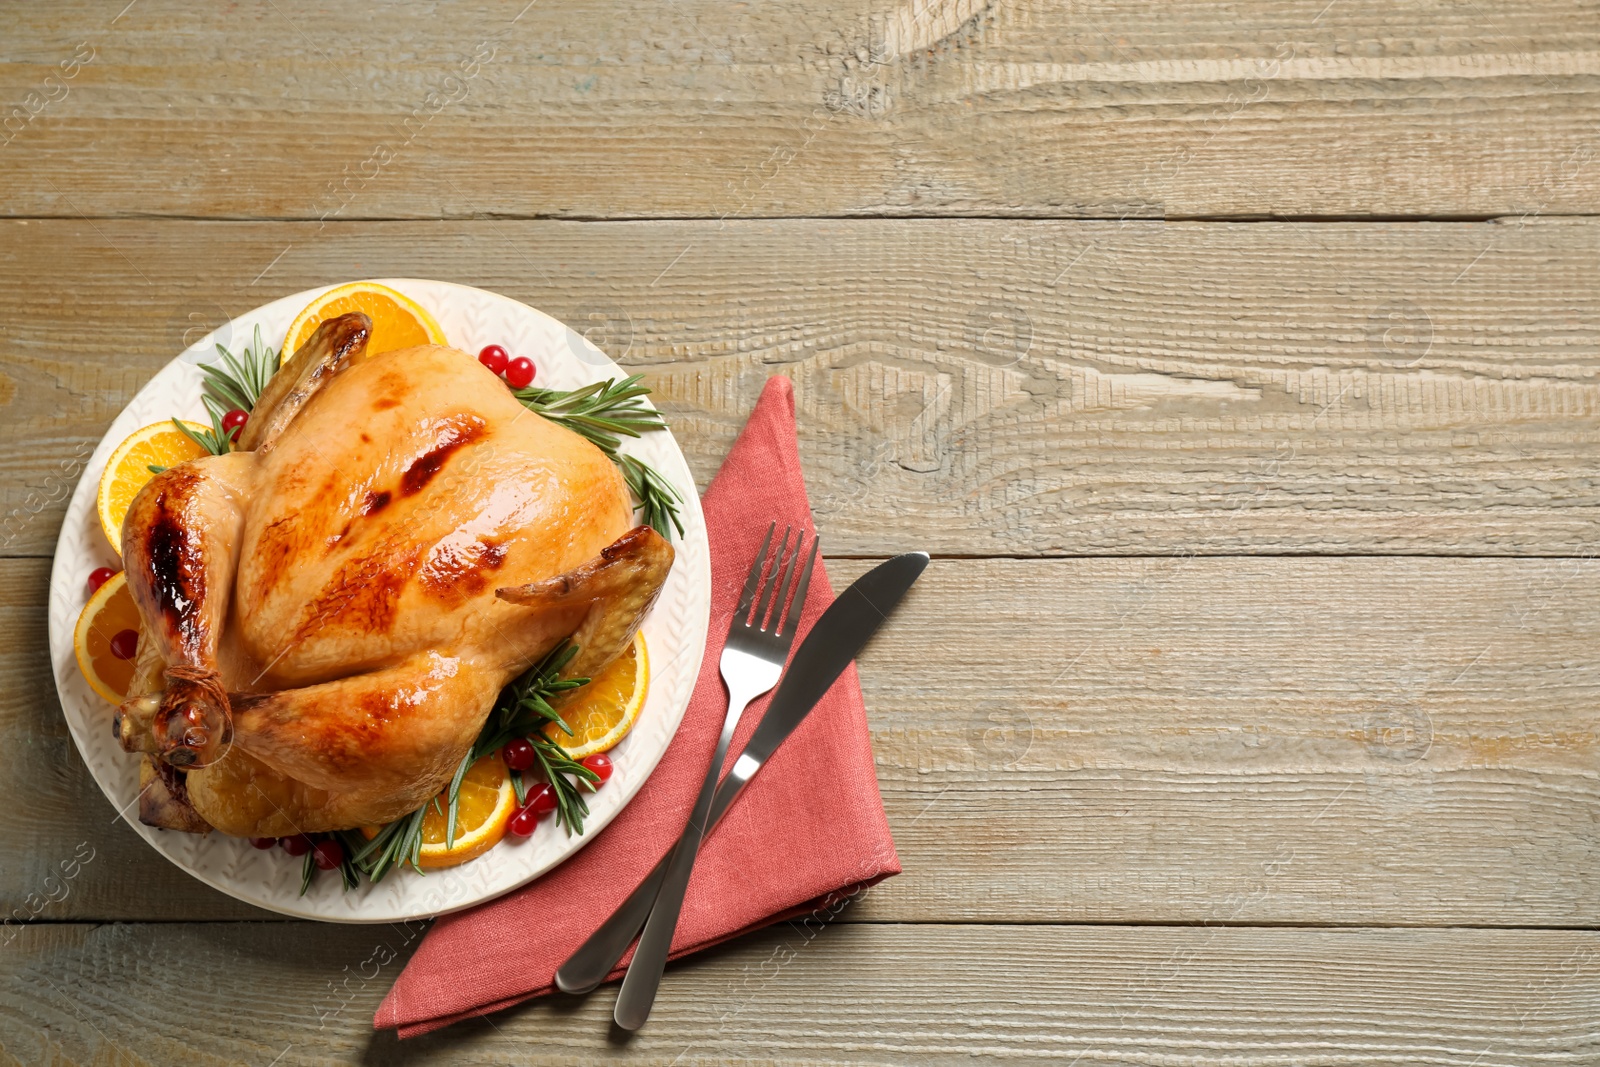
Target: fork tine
751, 582
772, 580
792, 620
783, 585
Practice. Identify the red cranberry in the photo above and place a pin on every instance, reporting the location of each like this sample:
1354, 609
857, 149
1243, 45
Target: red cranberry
233, 422
263, 842
518, 754
100, 576
125, 644
541, 800
524, 822
600, 764
296, 844
494, 357
520, 372
327, 855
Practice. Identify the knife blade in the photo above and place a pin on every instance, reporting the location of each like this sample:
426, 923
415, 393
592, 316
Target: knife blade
835, 640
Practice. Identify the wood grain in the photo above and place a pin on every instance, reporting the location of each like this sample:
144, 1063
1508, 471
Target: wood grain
1266, 598
1000, 388
1387, 741
836, 994
948, 107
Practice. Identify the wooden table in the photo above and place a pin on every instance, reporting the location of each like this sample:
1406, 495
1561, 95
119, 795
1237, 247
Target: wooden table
1239, 363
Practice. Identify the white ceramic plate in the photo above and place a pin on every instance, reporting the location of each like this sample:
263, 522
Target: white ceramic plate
675, 630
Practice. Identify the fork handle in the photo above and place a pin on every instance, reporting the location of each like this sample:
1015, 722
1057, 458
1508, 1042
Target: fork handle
650, 959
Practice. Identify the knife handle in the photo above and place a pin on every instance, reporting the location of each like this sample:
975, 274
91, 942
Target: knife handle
586, 968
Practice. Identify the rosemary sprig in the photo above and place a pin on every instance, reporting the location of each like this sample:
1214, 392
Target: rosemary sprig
604, 413
658, 498
398, 842
351, 840
230, 382
521, 711
214, 440
571, 807
524, 705
237, 381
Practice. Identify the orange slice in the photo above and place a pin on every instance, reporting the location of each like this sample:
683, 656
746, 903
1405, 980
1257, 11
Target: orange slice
486, 803
128, 469
108, 613
397, 320
602, 712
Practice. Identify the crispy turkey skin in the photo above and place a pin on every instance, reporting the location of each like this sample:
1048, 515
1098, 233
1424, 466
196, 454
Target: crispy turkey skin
330, 612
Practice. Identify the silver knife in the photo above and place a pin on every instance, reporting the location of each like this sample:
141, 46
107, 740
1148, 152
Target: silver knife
833, 642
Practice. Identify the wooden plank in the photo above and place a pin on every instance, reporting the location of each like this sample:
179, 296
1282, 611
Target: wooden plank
1002, 388
953, 107
1388, 741
243, 993
1385, 741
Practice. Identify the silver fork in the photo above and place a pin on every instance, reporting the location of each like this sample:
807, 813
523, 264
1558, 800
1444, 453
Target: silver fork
752, 660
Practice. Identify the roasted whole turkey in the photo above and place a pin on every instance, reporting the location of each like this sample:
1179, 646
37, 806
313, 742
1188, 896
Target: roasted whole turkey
330, 612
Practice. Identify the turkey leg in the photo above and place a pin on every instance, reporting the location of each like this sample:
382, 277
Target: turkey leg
180, 547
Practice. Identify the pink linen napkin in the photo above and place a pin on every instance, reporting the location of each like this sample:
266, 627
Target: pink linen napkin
808, 829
